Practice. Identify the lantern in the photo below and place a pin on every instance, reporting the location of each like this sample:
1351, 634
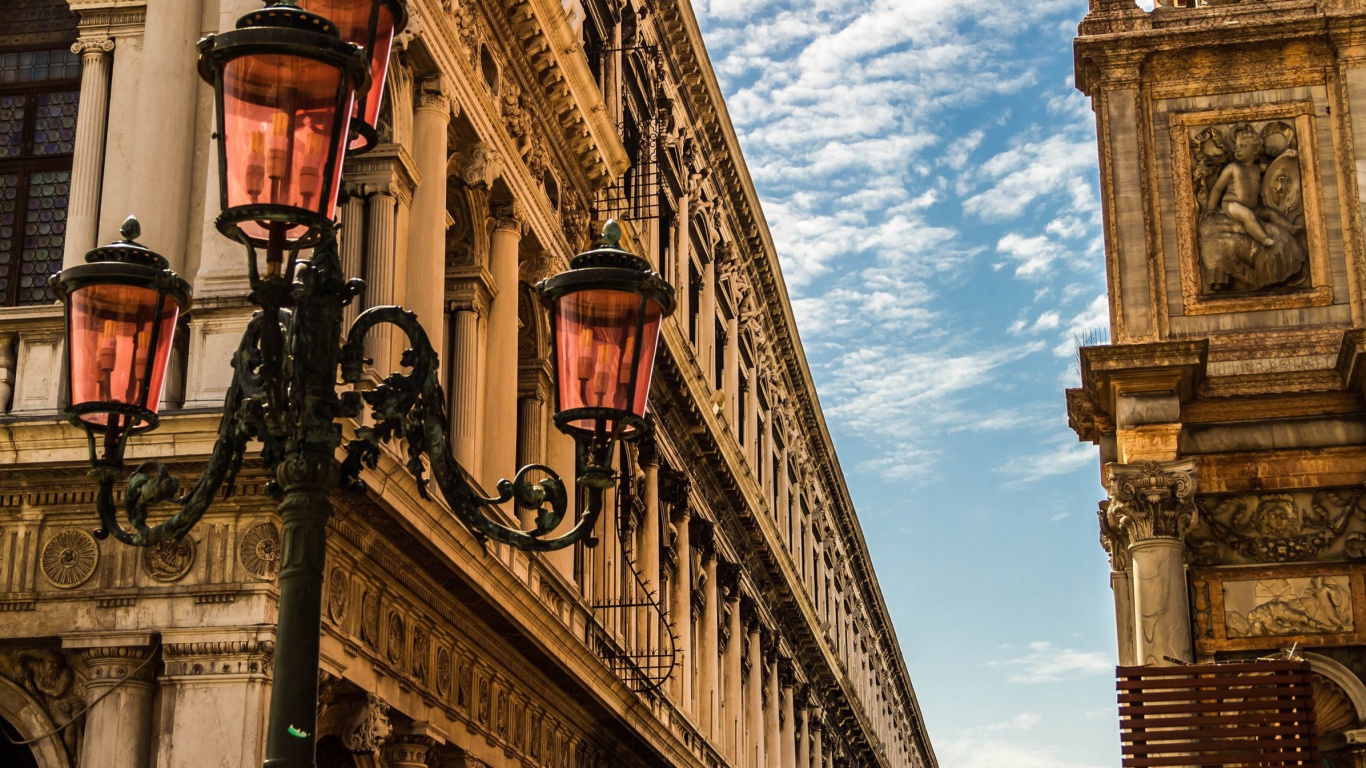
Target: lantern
121, 312
605, 314
370, 24
285, 85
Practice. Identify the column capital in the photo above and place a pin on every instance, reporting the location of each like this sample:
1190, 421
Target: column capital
93, 46
432, 95
1151, 500
408, 750
1115, 541
508, 216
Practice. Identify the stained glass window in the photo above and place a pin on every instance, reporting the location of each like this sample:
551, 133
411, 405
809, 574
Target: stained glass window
39, 91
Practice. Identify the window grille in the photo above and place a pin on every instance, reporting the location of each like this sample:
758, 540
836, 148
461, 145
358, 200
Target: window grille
39, 91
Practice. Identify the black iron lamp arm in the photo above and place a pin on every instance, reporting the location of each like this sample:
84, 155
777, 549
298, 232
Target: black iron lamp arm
412, 406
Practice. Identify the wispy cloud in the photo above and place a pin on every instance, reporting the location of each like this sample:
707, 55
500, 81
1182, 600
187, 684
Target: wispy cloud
1046, 663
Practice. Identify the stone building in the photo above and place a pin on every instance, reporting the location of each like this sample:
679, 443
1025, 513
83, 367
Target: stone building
1228, 409
729, 616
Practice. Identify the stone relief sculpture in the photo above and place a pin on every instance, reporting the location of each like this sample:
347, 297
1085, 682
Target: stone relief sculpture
1327, 524
1267, 607
1251, 231
46, 676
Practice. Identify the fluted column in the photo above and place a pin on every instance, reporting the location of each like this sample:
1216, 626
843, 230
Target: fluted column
351, 243
772, 727
683, 263
706, 323
87, 161
648, 556
425, 267
783, 482
500, 384
754, 699
530, 419
787, 734
380, 271
465, 370
766, 451
817, 747
730, 375
1153, 505
732, 705
118, 727
709, 649
680, 606
804, 736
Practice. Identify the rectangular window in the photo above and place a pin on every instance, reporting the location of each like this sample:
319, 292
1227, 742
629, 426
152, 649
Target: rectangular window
39, 91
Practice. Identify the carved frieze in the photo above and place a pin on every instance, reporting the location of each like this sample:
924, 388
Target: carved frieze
48, 677
259, 550
338, 595
369, 617
219, 657
1302, 526
395, 637
1274, 607
69, 558
169, 560
443, 671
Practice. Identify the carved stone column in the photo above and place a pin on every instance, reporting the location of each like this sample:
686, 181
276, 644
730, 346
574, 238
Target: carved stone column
730, 375
1152, 506
680, 606
530, 418
351, 242
804, 735
648, 556
709, 648
706, 323
817, 747
754, 697
118, 727
466, 314
425, 270
87, 161
683, 264
732, 705
772, 706
500, 370
220, 675
1116, 545
380, 270
787, 734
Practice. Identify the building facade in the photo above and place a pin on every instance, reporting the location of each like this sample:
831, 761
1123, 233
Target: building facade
729, 614
1228, 408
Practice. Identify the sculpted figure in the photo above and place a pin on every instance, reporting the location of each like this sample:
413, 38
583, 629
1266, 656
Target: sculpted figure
1236, 190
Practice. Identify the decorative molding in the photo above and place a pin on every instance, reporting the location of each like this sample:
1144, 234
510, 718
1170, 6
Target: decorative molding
251, 656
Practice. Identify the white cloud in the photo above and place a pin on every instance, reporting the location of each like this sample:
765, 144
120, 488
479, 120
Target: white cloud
1045, 663
1057, 165
984, 752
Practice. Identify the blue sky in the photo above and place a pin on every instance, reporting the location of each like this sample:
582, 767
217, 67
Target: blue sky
929, 175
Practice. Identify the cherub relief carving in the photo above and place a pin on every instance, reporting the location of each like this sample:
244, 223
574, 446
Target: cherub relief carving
1251, 231
44, 673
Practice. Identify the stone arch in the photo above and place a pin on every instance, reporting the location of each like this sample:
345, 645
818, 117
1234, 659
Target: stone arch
1339, 699
28, 718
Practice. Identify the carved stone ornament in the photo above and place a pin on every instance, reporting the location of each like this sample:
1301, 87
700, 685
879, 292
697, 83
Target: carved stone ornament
443, 671
369, 617
395, 637
478, 166
1326, 524
169, 560
259, 551
369, 725
1151, 500
421, 652
338, 595
45, 674
1247, 183
1113, 541
69, 558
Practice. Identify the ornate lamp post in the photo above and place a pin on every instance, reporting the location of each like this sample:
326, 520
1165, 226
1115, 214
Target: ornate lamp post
285, 85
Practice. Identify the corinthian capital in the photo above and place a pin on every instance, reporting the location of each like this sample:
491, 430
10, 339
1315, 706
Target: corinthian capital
432, 93
509, 215
1114, 541
1151, 500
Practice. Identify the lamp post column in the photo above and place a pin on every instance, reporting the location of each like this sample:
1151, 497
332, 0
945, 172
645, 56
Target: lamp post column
87, 162
1153, 504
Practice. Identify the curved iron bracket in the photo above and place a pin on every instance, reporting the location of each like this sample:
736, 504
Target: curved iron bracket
412, 407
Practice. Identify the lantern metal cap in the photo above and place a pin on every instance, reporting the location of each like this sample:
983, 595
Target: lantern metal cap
610, 253
128, 250
286, 14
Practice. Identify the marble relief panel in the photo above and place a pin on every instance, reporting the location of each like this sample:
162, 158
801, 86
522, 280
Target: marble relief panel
1241, 609
1249, 219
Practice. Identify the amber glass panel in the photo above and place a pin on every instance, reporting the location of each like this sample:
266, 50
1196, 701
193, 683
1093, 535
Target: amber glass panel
111, 339
596, 343
352, 18
279, 120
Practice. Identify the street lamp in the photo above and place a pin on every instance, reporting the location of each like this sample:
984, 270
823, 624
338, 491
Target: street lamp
285, 84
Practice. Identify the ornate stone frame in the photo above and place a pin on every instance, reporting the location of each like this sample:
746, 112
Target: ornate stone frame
1320, 292
1207, 607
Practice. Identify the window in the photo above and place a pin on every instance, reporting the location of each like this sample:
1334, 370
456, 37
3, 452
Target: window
38, 95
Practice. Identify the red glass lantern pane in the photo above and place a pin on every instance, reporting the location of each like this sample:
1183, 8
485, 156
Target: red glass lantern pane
596, 344
279, 124
352, 18
112, 327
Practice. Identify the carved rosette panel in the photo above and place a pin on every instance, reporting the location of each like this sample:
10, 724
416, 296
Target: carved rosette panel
338, 595
259, 551
369, 618
396, 633
443, 671
169, 560
69, 558
1151, 500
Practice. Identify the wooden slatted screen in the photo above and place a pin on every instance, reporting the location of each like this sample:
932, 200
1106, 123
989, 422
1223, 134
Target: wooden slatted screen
1248, 714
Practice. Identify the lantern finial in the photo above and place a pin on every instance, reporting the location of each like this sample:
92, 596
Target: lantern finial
131, 229
611, 234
